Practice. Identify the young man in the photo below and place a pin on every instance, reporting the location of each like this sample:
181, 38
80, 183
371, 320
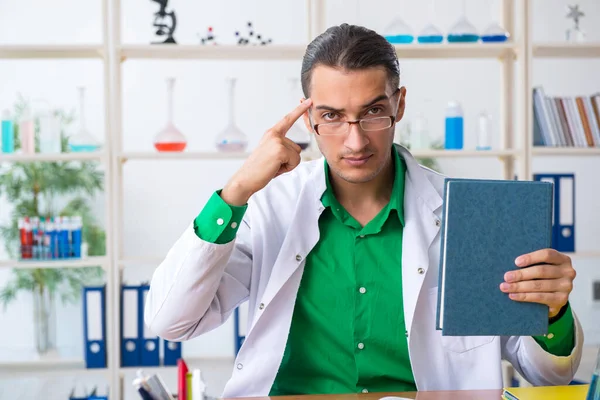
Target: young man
338, 258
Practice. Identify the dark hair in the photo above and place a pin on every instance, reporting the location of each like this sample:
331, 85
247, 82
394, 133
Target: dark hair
350, 47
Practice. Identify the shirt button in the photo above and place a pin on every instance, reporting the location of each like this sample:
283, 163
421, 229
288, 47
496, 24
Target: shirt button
362, 290
362, 236
421, 271
550, 335
298, 257
365, 391
261, 306
233, 225
220, 221
361, 346
240, 366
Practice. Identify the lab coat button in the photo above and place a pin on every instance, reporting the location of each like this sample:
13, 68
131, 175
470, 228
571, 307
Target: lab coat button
261, 306
240, 366
298, 257
406, 333
421, 271
437, 222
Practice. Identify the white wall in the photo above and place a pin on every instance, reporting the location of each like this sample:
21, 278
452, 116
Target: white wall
162, 198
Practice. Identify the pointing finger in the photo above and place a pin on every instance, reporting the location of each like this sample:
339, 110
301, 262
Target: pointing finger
286, 123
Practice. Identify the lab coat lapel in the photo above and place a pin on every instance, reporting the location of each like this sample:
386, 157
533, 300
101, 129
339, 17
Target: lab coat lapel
421, 200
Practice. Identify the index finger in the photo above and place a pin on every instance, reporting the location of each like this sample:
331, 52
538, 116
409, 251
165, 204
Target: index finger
286, 123
544, 256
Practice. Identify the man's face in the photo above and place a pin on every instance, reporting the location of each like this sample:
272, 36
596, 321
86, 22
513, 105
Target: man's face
354, 153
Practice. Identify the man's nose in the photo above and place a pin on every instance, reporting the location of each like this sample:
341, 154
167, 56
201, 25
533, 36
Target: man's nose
356, 139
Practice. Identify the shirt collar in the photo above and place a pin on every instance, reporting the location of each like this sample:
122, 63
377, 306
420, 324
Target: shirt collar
396, 203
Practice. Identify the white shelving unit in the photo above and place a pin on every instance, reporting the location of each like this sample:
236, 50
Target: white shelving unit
515, 145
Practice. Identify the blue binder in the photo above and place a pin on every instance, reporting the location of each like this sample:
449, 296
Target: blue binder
171, 352
94, 326
130, 333
563, 215
149, 350
240, 316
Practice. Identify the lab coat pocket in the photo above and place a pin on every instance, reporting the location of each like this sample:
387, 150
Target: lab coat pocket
458, 344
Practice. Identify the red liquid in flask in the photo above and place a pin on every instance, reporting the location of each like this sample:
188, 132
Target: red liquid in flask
170, 146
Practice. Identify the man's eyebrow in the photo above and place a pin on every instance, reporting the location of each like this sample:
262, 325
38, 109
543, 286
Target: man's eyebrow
340, 110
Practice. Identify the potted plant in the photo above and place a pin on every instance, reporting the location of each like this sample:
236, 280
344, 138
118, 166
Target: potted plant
37, 189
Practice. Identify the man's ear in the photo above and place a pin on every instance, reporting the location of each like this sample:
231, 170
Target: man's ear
401, 104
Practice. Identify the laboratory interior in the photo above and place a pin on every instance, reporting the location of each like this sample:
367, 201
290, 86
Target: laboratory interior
120, 119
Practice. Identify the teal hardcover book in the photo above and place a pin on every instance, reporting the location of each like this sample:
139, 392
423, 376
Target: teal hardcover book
486, 225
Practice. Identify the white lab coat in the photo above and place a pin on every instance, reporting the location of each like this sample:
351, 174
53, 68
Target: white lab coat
199, 284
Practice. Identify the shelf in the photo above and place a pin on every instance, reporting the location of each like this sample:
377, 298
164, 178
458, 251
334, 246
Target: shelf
83, 156
463, 153
49, 51
197, 155
70, 367
566, 151
82, 263
585, 254
565, 50
455, 50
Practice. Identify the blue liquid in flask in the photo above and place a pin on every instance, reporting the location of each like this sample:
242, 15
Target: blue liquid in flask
463, 38
430, 39
494, 38
83, 148
594, 391
400, 39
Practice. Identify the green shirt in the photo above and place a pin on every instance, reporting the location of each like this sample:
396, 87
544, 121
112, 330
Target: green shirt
348, 329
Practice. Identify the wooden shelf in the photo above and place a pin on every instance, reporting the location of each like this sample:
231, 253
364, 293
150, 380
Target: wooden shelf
51, 367
196, 155
80, 263
50, 51
566, 50
296, 52
83, 156
464, 153
566, 151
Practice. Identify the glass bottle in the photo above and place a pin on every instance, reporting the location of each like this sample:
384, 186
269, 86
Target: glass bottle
49, 134
419, 133
8, 133
297, 133
594, 390
431, 33
463, 31
484, 131
170, 139
27, 132
231, 138
454, 126
494, 32
83, 139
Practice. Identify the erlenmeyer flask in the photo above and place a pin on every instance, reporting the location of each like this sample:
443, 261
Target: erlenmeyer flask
431, 33
494, 32
170, 139
231, 138
297, 133
398, 31
463, 31
83, 139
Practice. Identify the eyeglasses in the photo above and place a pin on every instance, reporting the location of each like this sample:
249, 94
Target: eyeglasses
343, 127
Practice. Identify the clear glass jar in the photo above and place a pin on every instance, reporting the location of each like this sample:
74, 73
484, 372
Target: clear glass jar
83, 140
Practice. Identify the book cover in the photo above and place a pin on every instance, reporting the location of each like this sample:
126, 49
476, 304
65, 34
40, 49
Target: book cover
486, 225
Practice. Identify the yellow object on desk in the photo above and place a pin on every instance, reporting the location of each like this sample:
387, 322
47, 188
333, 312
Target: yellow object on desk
571, 392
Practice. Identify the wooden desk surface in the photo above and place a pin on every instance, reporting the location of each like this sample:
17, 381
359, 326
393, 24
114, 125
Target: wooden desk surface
440, 395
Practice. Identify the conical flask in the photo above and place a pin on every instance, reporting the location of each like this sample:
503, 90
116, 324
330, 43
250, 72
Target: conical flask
231, 138
83, 139
463, 30
494, 32
398, 32
170, 139
431, 33
297, 133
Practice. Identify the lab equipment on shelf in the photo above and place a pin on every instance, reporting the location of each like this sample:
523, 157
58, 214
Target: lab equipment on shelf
170, 139
51, 238
398, 31
454, 126
8, 133
494, 32
83, 140
484, 131
431, 33
463, 30
27, 131
231, 138
49, 127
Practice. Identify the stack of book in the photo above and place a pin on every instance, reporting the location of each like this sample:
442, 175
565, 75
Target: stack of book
570, 121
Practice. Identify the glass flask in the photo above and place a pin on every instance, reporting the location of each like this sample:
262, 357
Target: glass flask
398, 32
431, 33
594, 389
231, 139
463, 31
297, 133
83, 139
49, 133
170, 139
484, 131
494, 32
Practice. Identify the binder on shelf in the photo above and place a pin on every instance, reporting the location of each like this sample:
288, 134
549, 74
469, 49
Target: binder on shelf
240, 329
149, 350
94, 326
563, 214
171, 352
130, 332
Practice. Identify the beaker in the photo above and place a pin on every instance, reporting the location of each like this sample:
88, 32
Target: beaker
463, 31
170, 139
231, 138
83, 139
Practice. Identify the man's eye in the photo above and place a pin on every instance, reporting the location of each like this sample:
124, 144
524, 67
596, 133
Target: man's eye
375, 111
329, 116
